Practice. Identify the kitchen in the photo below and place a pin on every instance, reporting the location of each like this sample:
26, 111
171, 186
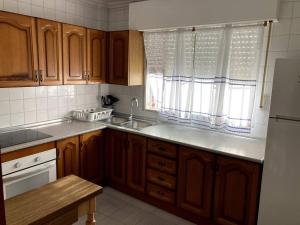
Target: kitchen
188, 135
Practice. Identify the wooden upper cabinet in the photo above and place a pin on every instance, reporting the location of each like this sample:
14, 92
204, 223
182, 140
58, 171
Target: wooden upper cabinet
18, 50
50, 52
236, 191
74, 54
195, 181
68, 157
136, 162
117, 146
92, 156
126, 58
96, 56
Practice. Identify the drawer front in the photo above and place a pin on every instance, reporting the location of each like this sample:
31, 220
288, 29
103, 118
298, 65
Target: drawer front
161, 193
162, 164
162, 148
160, 178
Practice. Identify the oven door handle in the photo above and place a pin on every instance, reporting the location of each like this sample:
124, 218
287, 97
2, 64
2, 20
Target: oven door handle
14, 178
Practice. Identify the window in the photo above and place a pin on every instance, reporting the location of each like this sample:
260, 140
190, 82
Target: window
206, 77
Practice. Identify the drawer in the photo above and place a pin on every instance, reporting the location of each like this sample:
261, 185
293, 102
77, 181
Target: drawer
162, 164
162, 148
161, 178
161, 193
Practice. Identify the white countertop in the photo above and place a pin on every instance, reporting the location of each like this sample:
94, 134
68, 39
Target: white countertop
225, 144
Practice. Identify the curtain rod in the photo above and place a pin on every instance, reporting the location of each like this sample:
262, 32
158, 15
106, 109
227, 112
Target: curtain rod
262, 96
202, 27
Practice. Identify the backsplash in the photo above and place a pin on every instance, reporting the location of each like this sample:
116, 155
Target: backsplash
19, 106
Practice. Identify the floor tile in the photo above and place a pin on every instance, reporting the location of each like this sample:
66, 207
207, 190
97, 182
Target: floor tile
116, 208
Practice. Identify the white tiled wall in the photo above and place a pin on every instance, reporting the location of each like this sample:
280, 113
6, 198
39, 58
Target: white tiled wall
285, 43
88, 13
27, 105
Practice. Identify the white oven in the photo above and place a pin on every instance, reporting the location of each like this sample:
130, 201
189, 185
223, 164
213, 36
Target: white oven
26, 173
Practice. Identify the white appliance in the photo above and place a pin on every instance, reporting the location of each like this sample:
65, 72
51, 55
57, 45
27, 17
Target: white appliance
26, 173
280, 193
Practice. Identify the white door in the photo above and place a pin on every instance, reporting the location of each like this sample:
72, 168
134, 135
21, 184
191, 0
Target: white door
280, 193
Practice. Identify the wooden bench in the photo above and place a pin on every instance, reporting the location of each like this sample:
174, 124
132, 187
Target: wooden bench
59, 203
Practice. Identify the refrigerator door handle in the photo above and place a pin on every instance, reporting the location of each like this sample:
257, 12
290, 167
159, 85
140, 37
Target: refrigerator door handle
290, 118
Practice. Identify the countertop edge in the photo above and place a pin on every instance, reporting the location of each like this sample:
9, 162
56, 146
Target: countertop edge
137, 132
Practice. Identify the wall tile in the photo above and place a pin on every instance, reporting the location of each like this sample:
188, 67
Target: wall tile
29, 92
50, 4
24, 8
41, 103
286, 10
16, 106
4, 94
52, 103
41, 115
37, 11
295, 28
294, 42
4, 121
29, 104
15, 93
17, 119
41, 92
37, 2
30, 117
52, 91
4, 107
11, 5
296, 12
1, 4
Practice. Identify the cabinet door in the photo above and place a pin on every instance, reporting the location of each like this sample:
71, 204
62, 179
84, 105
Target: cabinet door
74, 54
118, 57
117, 145
96, 56
18, 51
136, 162
92, 156
195, 181
236, 192
50, 52
68, 157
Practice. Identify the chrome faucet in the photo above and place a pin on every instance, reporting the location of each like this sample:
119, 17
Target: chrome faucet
136, 101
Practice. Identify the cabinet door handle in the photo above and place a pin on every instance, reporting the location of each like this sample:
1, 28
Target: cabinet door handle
36, 73
41, 76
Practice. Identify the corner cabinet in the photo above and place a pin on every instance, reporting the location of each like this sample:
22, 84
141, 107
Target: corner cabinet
68, 157
92, 156
195, 181
50, 52
18, 55
96, 56
237, 188
74, 54
126, 58
136, 162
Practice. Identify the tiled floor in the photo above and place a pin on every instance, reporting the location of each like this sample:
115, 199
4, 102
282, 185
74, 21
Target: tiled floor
116, 208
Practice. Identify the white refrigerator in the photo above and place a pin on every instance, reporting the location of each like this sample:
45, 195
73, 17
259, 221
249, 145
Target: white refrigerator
280, 191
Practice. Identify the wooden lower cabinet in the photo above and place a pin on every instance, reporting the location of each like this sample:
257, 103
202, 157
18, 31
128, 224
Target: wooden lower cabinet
68, 156
136, 162
92, 156
117, 150
195, 181
237, 188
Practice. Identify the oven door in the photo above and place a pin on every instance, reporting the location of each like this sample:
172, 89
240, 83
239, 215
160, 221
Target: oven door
28, 179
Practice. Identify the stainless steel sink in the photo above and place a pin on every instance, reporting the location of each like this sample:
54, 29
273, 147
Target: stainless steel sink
115, 120
136, 124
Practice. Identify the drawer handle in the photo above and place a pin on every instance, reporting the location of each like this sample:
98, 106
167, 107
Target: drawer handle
160, 178
162, 164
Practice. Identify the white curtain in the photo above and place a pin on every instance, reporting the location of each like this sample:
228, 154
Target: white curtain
204, 78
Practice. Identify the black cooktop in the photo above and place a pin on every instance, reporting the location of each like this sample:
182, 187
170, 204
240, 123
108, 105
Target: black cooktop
20, 137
